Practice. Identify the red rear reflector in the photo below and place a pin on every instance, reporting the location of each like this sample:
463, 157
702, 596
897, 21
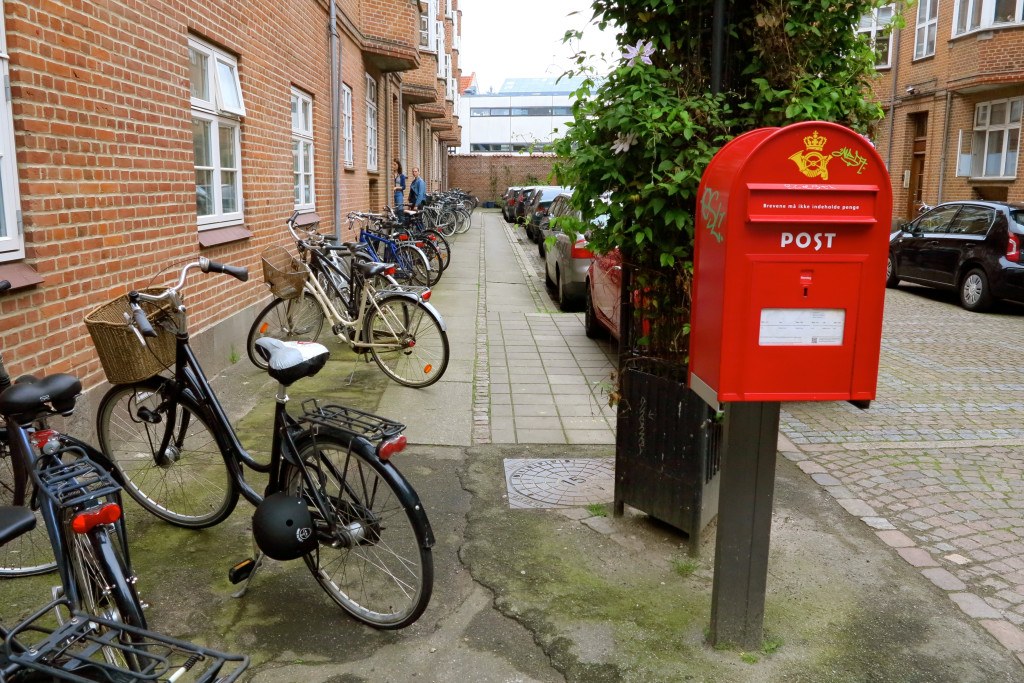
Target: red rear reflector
42, 437
1013, 248
578, 251
419, 244
264, 327
425, 295
393, 445
403, 238
390, 270
84, 522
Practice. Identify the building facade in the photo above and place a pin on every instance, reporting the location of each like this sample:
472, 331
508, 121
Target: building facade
952, 85
137, 136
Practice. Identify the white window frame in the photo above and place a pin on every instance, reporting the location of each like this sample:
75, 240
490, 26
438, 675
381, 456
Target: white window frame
428, 28
976, 15
873, 27
448, 11
403, 141
223, 108
440, 49
346, 115
926, 34
371, 123
302, 151
984, 129
12, 238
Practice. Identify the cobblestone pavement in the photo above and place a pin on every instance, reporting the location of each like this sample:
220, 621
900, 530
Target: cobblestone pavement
935, 465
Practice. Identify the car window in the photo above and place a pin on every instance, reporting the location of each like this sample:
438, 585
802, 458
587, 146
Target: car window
1018, 217
972, 220
937, 220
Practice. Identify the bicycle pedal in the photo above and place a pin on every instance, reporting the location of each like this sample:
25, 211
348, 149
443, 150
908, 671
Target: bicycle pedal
242, 571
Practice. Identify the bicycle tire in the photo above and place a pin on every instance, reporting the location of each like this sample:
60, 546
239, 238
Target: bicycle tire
413, 266
191, 487
104, 586
386, 579
419, 355
444, 248
446, 223
433, 255
464, 222
299, 319
31, 553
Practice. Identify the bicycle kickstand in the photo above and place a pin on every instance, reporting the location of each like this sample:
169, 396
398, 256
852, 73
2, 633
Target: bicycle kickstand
244, 571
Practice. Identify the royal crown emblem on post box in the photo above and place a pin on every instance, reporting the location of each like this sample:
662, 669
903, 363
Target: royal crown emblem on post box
811, 162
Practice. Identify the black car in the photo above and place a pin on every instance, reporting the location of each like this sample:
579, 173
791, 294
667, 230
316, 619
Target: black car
970, 246
537, 209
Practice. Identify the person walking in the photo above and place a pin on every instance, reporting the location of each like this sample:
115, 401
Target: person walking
417, 191
399, 186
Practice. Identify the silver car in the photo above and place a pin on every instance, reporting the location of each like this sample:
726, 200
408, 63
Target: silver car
567, 260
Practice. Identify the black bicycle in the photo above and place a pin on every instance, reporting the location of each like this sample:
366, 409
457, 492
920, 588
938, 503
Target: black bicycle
82, 647
334, 497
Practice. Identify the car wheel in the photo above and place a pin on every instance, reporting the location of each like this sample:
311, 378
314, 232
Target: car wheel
590, 324
547, 278
974, 291
891, 279
565, 302
540, 248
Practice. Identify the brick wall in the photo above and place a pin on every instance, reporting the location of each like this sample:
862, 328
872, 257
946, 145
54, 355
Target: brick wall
488, 175
104, 146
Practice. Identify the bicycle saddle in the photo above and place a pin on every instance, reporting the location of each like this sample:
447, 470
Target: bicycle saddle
27, 400
371, 268
15, 521
289, 362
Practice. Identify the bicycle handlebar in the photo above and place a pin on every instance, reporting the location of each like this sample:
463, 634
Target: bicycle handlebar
142, 323
4, 285
237, 272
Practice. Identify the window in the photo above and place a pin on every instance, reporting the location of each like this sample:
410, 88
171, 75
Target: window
217, 107
996, 140
302, 149
12, 242
439, 35
371, 123
937, 221
975, 14
972, 220
927, 24
346, 97
876, 27
403, 140
428, 27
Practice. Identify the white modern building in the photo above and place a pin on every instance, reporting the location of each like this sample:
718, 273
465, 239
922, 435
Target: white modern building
524, 115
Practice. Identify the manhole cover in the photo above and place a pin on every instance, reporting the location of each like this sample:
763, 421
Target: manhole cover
559, 483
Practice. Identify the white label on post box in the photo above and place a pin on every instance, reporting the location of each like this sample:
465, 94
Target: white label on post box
802, 327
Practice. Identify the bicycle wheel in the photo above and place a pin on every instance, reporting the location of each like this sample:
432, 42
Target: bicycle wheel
463, 222
409, 344
446, 223
433, 260
30, 553
385, 578
443, 247
299, 319
413, 268
105, 587
187, 482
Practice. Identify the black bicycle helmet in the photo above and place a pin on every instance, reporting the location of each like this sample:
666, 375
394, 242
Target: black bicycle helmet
283, 527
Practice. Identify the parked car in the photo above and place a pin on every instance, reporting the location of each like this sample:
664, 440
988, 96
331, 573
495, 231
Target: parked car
604, 281
508, 201
540, 202
567, 261
972, 247
559, 207
522, 201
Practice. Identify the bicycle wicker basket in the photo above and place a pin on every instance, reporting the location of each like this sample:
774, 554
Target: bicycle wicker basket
123, 357
285, 274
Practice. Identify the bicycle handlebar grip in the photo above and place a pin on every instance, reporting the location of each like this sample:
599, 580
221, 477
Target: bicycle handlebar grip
4, 285
295, 214
141, 321
237, 272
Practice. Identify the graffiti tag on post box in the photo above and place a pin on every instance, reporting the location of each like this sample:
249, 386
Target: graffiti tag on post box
712, 212
851, 158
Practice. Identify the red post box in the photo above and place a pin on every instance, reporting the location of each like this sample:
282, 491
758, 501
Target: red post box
789, 267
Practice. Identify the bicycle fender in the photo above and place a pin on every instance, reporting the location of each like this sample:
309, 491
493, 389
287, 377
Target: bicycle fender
409, 499
426, 304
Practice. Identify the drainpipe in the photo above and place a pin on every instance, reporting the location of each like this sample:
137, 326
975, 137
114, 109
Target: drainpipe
892, 97
335, 118
945, 146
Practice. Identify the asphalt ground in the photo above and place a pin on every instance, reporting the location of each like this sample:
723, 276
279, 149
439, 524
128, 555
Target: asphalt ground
574, 594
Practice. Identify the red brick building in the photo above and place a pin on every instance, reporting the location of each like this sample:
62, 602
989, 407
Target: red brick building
952, 84
138, 135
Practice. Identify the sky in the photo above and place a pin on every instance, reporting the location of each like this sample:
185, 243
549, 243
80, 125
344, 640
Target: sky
523, 38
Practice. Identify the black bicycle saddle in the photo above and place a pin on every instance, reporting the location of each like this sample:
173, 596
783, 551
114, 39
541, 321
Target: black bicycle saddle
26, 401
15, 521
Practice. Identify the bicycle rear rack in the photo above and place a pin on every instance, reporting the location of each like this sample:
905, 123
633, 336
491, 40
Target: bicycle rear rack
76, 483
372, 427
76, 649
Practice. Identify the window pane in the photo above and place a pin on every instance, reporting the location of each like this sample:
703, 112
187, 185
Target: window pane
201, 142
882, 50
3, 213
228, 81
994, 153
930, 44
198, 65
229, 191
1015, 107
227, 146
296, 121
204, 192
1006, 11
975, 20
998, 114
307, 116
977, 153
981, 116
1012, 146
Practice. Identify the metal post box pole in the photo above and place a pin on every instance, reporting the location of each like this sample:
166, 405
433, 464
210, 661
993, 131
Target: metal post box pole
744, 523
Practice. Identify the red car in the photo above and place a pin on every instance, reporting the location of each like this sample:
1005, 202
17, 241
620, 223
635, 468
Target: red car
604, 279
